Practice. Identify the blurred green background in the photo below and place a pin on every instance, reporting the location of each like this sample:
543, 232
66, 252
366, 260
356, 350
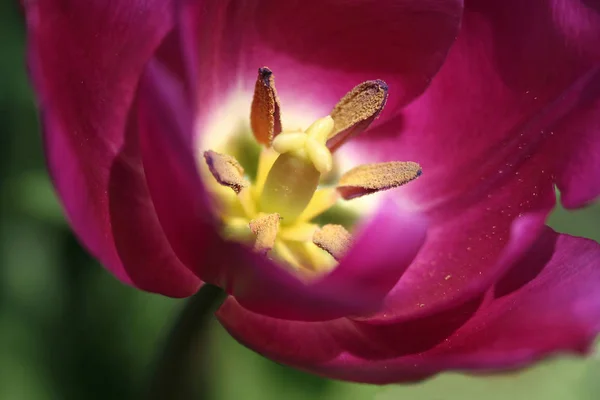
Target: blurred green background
68, 330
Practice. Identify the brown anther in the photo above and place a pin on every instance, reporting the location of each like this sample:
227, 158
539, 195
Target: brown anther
370, 178
265, 228
265, 115
334, 239
226, 170
356, 110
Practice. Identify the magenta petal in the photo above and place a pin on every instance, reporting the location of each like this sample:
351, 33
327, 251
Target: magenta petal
510, 98
182, 205
547, 303
318, 51
578, 179
466, 251
416, 296
85, 61
293, 342
519, 81
382, 252
504, 119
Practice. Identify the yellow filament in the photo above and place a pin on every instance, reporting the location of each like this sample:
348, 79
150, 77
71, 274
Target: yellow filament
284, 254
298, 232
237, 229
247, 203
322, 200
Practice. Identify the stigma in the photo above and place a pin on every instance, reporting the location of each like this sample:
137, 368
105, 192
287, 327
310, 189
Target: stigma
295, 175
276, 211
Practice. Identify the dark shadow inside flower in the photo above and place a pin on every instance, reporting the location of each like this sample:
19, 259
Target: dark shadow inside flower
352, 43
169, 55
520, 69
593, 4
529, 267
129, 202
375, 341
590, 92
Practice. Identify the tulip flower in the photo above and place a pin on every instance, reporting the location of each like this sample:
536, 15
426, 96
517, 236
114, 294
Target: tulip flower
368, 181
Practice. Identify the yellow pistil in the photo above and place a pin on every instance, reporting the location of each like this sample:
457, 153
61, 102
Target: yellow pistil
275, 212
295, 175
290, 185
309, 145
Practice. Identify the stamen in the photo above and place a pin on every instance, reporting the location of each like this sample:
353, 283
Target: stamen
322, 200
285, 255
237, 228
247, 203
356, 110
299, 232
334, 239
320, 261
265, 115
265, 228
370, 178
226, 170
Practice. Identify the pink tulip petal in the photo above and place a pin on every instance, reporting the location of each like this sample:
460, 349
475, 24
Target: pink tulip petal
547, 303
382, 252
449, 284
85, 61
465, 252
318, 52
579, 178
522, 96
181, 203
270, 290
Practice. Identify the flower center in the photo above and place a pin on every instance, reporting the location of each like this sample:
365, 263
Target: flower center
294, 177
277, 211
